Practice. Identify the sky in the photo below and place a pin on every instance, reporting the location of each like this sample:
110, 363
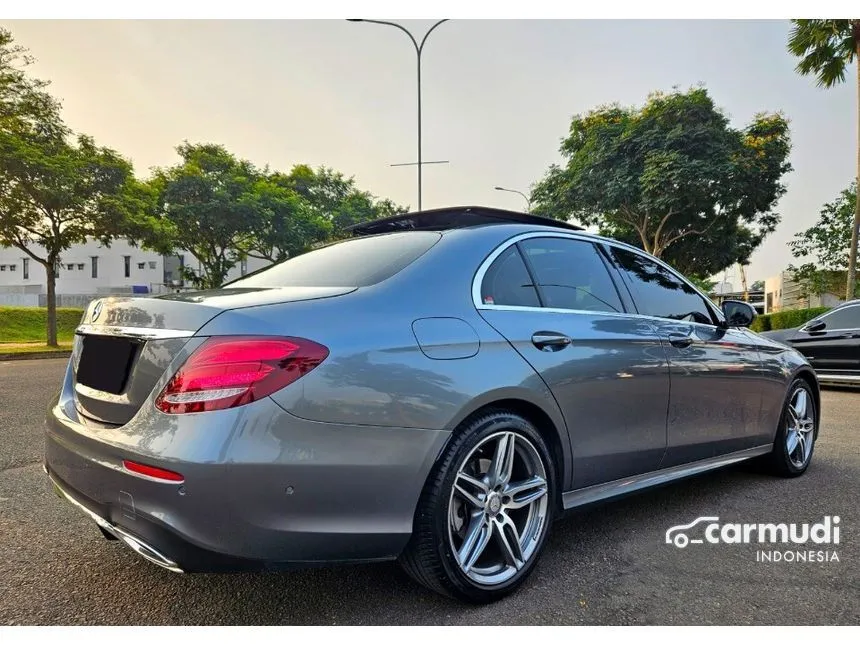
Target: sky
498, 96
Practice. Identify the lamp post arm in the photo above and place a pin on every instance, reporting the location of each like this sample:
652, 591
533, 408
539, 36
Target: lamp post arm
404, 30
429, 31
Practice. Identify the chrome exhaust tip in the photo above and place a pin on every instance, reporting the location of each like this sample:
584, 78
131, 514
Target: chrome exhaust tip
144, 550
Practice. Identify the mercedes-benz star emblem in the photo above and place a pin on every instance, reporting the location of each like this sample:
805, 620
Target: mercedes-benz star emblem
97, 311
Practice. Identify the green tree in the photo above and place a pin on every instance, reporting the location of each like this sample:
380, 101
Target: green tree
673, 178
758, 285
336, 197
287, 223
55, 191
207, 206
828, 243
826, 48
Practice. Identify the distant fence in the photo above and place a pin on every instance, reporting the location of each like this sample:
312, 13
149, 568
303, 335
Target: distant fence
68, 300
19, 299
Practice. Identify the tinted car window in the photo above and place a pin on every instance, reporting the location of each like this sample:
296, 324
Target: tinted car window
847, 318
571, 274
359, 262
507, 282
659, 292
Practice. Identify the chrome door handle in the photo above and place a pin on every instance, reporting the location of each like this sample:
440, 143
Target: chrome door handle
550, 341
680, 340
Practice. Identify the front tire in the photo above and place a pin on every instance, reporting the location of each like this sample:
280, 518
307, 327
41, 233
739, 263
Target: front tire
485, 512
797, 432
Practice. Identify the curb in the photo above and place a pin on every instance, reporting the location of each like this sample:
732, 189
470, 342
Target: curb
25, 356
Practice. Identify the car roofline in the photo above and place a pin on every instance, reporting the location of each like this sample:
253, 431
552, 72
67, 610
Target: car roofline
455, 217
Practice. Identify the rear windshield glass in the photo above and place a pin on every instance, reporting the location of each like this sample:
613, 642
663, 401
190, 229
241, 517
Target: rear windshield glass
358, 262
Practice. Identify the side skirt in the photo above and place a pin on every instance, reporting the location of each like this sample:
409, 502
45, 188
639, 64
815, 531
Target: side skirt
619, 487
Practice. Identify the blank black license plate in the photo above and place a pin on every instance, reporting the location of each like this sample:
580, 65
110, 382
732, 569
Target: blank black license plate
106, 362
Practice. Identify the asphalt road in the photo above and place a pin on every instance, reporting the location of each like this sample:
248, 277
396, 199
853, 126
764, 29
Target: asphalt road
606, 565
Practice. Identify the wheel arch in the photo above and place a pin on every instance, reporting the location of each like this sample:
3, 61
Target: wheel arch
806, 374
547, 420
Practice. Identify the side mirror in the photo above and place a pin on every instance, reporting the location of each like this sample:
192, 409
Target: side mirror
815, 325
738, 313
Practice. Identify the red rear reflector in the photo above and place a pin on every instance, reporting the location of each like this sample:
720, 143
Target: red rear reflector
152, 471
229, 371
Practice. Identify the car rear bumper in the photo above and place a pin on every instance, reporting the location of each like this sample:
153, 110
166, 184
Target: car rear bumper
280, 492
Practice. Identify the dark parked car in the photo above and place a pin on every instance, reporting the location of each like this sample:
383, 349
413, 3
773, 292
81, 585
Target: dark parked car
437, 390
831, 342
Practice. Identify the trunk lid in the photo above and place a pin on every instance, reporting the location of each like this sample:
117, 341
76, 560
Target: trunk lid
124, 345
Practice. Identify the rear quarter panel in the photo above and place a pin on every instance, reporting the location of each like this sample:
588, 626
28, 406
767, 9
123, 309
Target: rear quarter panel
376, 373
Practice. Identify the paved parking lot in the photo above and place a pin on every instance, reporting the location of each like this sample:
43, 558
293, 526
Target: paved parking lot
605, 565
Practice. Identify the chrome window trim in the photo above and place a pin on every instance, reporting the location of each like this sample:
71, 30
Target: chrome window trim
478, 280
141, 333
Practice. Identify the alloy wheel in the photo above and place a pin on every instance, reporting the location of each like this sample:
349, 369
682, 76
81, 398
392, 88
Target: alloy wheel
498, 508
800, 430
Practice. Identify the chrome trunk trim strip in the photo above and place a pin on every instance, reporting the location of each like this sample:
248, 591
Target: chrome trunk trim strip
141, 333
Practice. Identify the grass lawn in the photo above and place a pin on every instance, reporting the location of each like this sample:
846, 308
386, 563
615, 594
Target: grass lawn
32, 348
27, 324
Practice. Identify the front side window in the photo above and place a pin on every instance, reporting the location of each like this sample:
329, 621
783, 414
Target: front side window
507, 282
659, 292
845, 318
571, 275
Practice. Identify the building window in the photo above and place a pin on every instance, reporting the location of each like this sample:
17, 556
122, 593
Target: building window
126, 262
2, 267
152, 265
95, 266
141, 265
70, 267
26, 268
13, 267
80, 267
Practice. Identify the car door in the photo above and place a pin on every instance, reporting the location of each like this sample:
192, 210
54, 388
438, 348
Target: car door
716, 374
835, 347
553, 298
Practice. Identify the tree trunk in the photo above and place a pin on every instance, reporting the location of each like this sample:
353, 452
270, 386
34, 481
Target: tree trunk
852, 254
51, 272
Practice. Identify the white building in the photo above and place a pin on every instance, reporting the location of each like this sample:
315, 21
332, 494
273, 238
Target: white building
781, 293
90, 270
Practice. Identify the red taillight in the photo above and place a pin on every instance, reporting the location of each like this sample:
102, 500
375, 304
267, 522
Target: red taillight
152, 471
228, 371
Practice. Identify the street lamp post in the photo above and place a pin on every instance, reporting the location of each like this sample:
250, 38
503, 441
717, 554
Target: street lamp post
419, 48
523, 195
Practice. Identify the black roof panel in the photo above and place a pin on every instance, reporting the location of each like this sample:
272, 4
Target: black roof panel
441, 219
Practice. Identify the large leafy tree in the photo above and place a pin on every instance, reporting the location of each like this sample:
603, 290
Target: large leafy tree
826, 48
55, 191
207, 207
337, 198
287, 223
827, 244
672, 177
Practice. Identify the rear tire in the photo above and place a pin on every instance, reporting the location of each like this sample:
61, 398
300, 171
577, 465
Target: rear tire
797, 432
485, 512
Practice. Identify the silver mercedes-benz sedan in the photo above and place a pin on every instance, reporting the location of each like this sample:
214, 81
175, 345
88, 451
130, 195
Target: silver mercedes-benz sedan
437, 390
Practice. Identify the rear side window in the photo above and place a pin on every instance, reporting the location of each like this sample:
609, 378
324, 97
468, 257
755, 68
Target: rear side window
659, 292
571, 274
359, 262
847, 318
507, 282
